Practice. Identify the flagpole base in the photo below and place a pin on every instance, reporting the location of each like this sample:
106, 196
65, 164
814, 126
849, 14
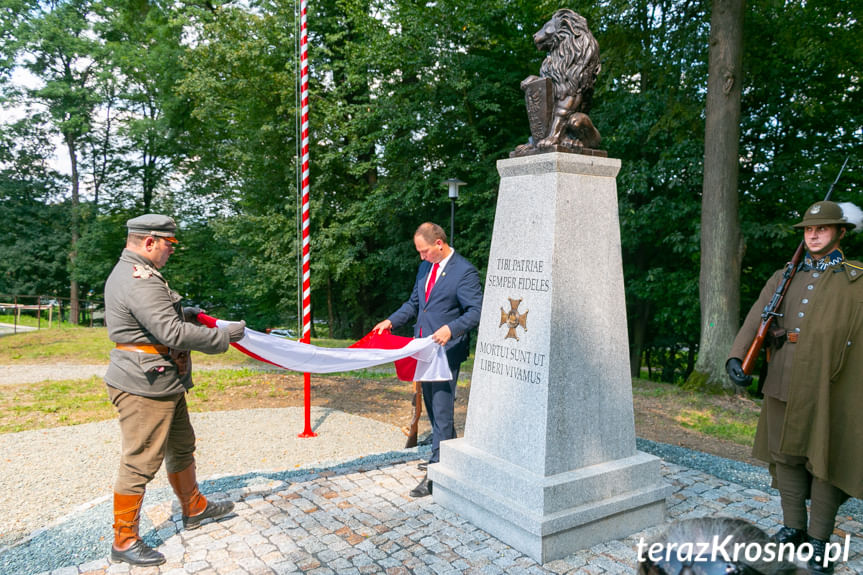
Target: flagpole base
307, 392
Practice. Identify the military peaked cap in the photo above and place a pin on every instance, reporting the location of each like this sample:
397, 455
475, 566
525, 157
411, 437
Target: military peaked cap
823, 214
153, 225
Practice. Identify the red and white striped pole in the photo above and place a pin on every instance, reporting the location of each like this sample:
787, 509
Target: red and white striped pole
307, 284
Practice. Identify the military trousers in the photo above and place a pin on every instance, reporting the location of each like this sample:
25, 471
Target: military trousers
153, 429
796, 484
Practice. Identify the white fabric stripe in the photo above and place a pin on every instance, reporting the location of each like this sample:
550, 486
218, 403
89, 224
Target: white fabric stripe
431, 358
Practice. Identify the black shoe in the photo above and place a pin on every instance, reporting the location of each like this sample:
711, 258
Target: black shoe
214, 510
138, 554
819, 563
423, 466
423, 489
790, 535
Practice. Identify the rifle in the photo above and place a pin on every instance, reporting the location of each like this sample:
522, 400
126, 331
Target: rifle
770, 312
413, 428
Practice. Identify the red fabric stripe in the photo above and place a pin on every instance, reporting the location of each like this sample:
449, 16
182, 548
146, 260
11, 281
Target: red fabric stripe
405, 368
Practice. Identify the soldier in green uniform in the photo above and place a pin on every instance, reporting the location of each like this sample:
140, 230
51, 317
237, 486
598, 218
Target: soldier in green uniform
811, 430
149, 374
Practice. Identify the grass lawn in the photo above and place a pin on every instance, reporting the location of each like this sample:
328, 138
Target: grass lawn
231, 382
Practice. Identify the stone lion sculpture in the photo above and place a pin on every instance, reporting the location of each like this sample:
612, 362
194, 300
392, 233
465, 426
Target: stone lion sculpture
559, 99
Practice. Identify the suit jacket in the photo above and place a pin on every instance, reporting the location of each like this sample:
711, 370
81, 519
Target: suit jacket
455, 300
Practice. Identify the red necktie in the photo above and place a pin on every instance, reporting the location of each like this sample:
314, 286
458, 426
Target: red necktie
432, 280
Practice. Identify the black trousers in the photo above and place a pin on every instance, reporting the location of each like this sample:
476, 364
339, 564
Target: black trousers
439, 399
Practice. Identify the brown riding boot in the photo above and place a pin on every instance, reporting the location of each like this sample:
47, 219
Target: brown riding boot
128, 546
195, 506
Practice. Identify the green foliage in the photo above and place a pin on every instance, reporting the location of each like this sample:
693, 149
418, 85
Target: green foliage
99, 247
650, 109
802, 116
192, 110
34, 236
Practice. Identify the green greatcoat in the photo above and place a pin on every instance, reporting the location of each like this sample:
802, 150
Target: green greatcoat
824, 387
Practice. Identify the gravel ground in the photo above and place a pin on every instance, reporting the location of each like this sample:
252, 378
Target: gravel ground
51, 473
82, 535
17, 374
55, 487
729, 469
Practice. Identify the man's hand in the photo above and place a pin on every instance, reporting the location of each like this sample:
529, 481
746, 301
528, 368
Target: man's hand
236, 331
191, 313
442, 335
383, 326
734, 367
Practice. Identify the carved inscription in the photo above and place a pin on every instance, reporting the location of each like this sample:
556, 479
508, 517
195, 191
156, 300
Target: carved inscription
510, 361
525, 281
519, 274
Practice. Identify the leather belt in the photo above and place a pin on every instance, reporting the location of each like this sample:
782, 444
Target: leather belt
793, 336
155, 349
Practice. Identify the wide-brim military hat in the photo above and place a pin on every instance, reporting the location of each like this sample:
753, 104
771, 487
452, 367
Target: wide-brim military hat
154, 225
823, 214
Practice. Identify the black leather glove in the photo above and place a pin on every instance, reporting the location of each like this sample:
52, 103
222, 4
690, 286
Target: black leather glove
191, 313
236, 331
734, 367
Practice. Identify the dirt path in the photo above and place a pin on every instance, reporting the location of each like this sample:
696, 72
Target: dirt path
390, 401
15, 374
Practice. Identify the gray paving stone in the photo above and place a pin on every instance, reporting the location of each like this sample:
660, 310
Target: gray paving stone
362, 522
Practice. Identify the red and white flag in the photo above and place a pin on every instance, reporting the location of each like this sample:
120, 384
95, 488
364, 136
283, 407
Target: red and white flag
416, 359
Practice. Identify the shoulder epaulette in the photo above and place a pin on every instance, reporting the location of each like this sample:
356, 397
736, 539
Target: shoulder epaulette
853, 270
142, 271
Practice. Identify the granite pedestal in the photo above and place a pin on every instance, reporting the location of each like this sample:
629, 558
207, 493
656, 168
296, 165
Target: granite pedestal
548, 462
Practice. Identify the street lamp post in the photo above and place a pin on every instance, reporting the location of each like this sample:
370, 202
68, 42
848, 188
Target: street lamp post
452, 185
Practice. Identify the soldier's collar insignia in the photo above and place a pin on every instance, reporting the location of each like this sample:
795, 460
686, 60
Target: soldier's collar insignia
142, 271
832, 259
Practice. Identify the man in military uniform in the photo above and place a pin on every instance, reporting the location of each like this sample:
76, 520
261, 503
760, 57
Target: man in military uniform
811, 430
149, 374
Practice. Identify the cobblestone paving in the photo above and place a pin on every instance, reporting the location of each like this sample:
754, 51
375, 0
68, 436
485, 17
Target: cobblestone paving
363, 522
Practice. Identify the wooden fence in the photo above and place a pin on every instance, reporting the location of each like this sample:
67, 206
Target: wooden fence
28, 312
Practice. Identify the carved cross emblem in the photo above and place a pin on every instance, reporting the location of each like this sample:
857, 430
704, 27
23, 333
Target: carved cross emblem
513, 319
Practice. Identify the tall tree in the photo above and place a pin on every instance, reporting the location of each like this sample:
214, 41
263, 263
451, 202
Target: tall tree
649, 108
240, 138
141, 37
721, 242
34, 236
54, 41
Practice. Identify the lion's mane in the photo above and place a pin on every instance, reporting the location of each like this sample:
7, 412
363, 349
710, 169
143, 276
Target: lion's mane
573, 58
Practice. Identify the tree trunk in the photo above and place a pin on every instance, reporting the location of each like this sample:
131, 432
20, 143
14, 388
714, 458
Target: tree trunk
648, 363
638, 332
721, 241
330, 318
73, 249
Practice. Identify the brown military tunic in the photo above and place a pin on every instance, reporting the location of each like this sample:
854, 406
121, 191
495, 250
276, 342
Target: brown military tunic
141, 308
820, 376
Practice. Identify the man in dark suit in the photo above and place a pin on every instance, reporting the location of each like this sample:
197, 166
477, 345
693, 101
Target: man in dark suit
446, 301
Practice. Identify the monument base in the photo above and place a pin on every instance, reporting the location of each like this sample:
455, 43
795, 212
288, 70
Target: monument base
548, 518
